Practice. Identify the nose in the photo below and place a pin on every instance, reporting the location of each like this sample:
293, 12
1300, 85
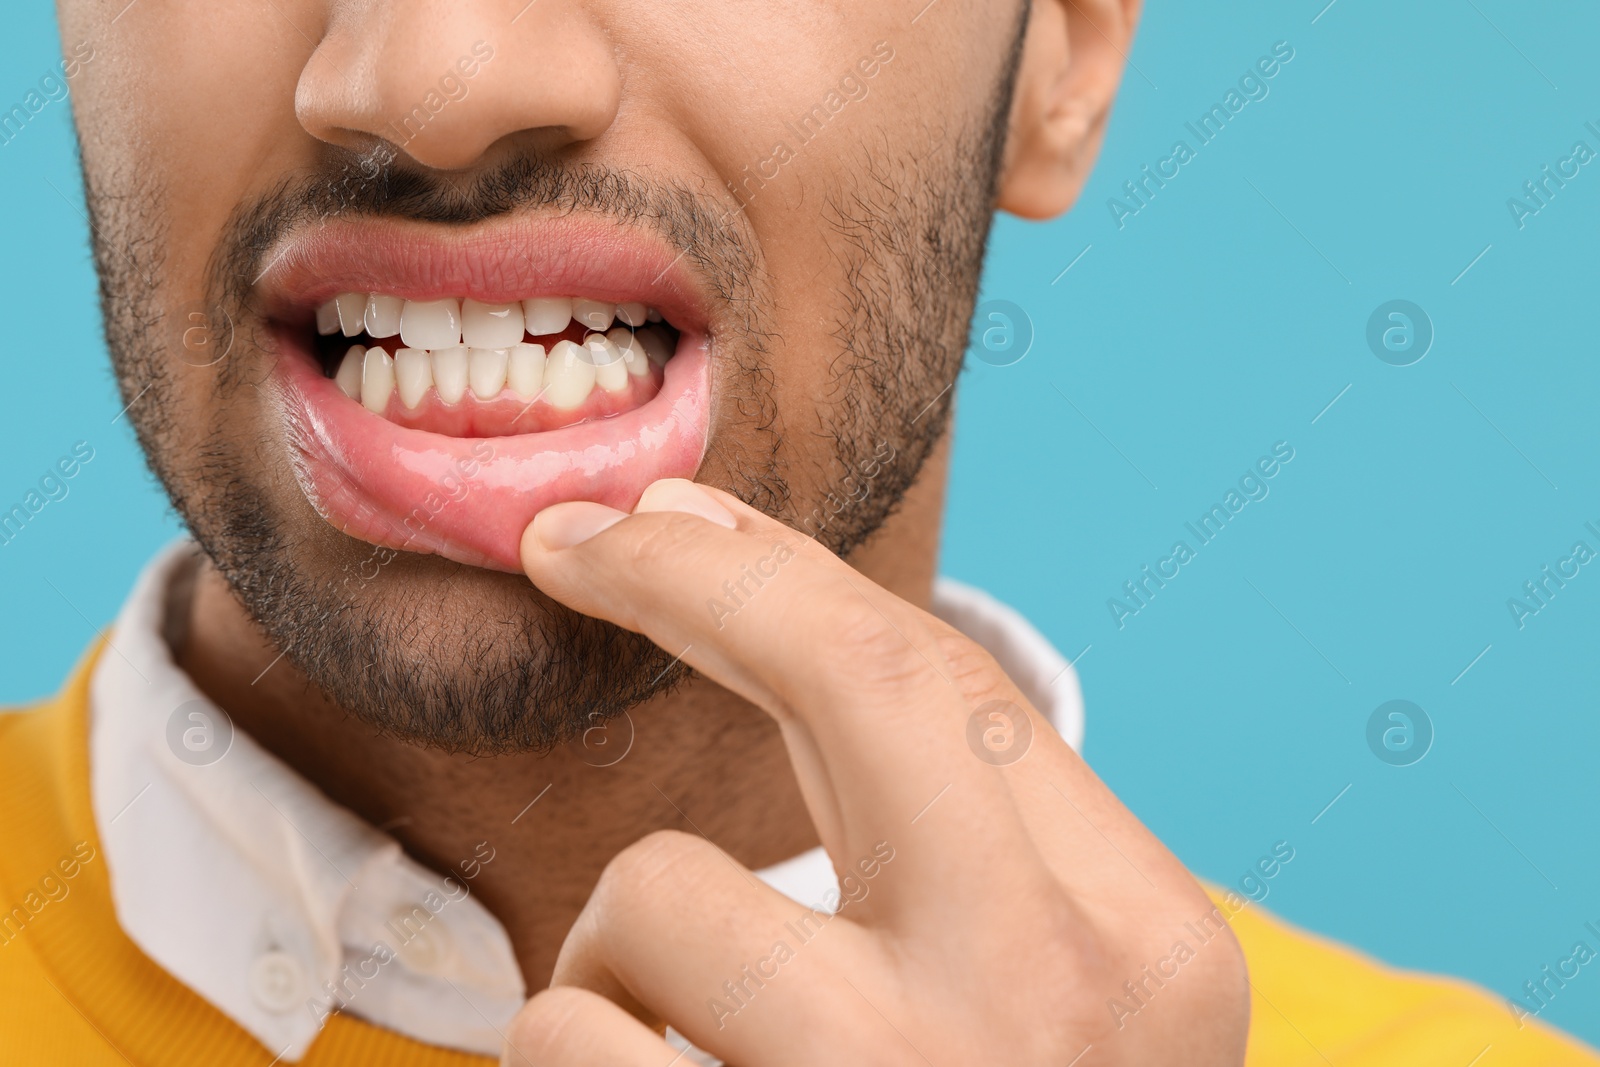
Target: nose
444, 81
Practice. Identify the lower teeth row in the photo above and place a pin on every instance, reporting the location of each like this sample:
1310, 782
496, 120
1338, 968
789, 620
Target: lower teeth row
563, 377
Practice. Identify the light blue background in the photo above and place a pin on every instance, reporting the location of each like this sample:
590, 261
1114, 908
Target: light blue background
1223, 317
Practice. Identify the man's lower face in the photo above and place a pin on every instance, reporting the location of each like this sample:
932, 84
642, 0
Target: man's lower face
359, 376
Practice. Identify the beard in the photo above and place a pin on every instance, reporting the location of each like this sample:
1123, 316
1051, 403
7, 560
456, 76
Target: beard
468, 660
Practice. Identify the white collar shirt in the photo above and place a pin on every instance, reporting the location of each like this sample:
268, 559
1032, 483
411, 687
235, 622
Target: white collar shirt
277, 905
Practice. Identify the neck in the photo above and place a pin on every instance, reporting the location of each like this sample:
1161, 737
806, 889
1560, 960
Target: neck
701, 760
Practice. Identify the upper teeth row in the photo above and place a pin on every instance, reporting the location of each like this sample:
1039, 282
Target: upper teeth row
443, 323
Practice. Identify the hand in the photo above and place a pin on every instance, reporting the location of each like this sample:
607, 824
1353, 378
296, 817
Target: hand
994, 913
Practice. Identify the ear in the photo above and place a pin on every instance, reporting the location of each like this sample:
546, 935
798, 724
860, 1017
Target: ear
1072, 59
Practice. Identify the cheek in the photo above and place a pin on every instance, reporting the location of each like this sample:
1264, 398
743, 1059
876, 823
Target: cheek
190, 108
750, 105
186, 111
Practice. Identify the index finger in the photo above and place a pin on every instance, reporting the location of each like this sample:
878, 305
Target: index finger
867, 703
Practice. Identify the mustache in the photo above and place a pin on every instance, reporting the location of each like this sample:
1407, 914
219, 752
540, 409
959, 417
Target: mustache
711, 238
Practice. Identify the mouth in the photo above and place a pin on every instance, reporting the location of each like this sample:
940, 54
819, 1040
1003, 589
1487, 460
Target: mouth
437, 393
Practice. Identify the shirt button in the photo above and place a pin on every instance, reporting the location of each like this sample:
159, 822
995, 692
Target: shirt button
424, 949
277, 982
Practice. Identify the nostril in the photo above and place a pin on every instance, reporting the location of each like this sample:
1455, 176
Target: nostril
426, 80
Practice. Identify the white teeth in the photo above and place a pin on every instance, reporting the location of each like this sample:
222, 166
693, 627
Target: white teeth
328, 318
655, 344
413, 374
568, 376
632, 349
610, 373
434, 324
377, 380
352, 307
382, 315
431, 323
595, 314
349, 377
545, 315
525, 370
486, 371
450, 373
452, 346
490, 325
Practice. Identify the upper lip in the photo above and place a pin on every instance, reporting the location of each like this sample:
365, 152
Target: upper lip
495, 262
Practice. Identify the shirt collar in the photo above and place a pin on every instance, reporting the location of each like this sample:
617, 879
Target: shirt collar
277, 905
244, 881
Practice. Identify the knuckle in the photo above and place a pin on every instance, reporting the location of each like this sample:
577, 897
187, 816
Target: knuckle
649, 867
1222, 969
549, 1024
1060, 945
1172, 967
862, 647
662, 545
973, 670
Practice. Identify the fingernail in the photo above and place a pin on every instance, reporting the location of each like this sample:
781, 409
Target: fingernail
564, 525
680, 494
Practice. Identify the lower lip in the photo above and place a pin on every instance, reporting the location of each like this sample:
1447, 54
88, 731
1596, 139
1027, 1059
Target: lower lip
470, 498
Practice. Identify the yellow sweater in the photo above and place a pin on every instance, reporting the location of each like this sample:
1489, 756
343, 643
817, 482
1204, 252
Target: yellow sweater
74, 990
